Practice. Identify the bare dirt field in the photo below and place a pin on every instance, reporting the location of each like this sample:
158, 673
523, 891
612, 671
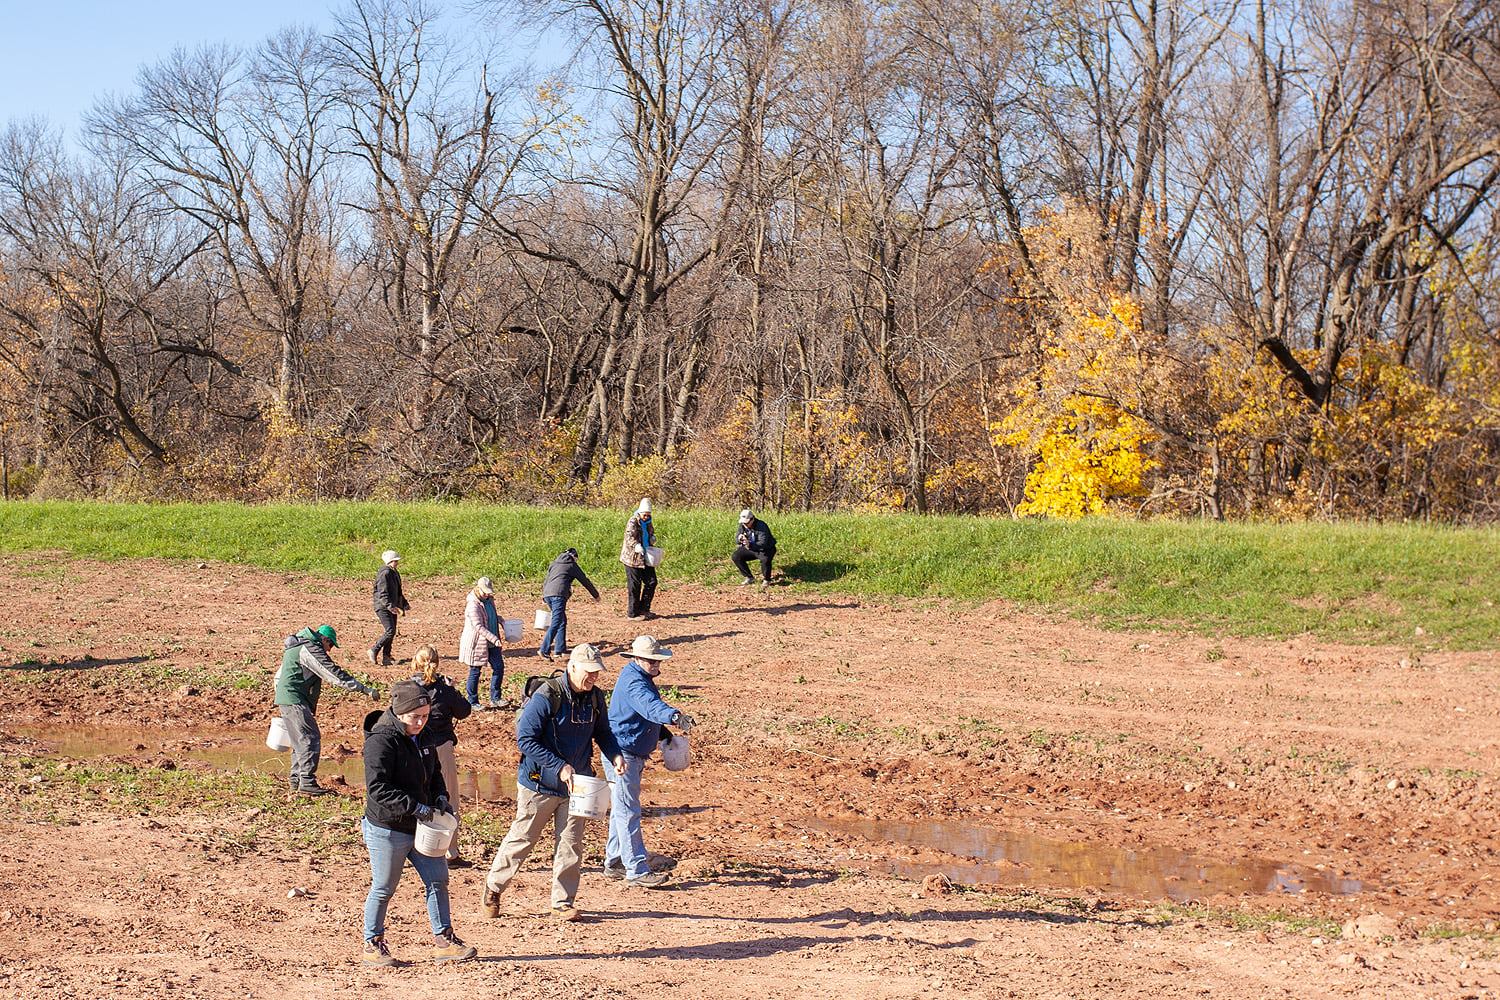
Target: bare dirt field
887, 800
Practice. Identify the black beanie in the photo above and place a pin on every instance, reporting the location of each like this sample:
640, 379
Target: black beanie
408, 696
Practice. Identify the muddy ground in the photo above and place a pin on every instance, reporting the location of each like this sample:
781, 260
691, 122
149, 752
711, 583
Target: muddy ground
887, 800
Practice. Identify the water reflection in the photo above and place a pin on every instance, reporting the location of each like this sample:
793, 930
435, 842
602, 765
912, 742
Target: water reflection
1009, 857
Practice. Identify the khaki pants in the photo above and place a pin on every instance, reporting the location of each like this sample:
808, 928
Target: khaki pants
449, 763
533, 810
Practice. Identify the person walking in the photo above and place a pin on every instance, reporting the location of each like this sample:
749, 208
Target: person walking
557, 731
479, 645
389, 602
448, 706
640, 575
305, 665
556, 589
638, 717
404, 784
753, 540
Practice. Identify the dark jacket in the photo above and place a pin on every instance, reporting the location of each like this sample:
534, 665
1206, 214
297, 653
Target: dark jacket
560, 576
758, 537
551, 737
388, 593
448, 706
399, 774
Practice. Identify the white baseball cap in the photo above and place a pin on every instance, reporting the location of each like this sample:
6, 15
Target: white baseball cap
390, 556
746, 516
484, 586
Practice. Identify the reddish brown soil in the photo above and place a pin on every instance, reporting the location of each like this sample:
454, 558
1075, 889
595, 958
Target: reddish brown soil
819, 714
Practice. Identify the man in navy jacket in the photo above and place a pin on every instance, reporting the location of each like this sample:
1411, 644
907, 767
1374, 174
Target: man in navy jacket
556, 730
753, 540
638, 716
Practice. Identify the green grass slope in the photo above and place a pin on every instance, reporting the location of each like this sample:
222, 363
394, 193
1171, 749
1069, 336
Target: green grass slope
1351, 582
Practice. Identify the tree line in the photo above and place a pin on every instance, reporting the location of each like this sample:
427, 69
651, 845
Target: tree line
1225, 258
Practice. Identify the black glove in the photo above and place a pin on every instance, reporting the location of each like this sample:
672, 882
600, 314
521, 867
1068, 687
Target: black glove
424, 813
443, 805
666, 737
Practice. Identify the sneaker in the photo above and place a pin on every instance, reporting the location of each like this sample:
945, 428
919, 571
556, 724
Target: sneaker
615, 869
636, 618
491, 903
371, 654
501, 705
566, 913
387, 661
312, 791
544, 655
460, 863
448, 948
747, 581
375, 953
476, 706
650, 880
660, 862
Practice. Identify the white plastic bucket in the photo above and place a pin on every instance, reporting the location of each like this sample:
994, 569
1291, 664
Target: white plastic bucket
434, 835
675, 755
543, 619
277, 738
590, 798
511, 629
653, 556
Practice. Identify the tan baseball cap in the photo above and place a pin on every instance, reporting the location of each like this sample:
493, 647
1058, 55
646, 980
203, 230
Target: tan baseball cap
587, 656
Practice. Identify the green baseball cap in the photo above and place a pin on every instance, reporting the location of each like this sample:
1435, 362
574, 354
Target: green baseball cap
327, 632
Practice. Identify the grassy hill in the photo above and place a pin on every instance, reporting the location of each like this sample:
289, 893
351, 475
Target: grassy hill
1351, 582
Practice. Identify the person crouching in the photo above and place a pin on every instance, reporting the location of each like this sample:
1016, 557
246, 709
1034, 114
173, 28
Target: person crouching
403, 784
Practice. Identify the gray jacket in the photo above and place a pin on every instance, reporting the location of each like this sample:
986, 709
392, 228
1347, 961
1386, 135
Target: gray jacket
561, 574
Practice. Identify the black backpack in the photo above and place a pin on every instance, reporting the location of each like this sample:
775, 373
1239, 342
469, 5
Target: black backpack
552, 686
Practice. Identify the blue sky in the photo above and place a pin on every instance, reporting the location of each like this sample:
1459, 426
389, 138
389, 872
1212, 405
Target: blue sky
57, 56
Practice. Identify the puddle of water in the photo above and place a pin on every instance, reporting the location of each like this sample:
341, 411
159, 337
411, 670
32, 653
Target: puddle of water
1007, 857
233, 753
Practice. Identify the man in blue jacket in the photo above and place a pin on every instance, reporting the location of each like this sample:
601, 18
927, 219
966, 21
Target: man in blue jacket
556, 731
638, 716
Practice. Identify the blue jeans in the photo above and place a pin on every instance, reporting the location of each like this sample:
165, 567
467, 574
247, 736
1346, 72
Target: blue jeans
389, 852
497, 674
555, 639
625, 841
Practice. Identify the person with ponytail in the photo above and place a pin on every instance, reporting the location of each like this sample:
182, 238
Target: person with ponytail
448, 706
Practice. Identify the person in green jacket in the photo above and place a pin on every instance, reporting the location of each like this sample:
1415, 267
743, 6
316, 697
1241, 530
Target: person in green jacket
305, 665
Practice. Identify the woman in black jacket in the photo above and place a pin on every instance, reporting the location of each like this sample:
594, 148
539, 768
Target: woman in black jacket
403, 784
448, 706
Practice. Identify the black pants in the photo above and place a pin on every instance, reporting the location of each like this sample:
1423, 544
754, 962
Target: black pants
383, 646
640, 587
742, 557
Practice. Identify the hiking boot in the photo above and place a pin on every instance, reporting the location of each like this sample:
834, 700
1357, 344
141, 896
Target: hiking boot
650, 880
376, 954
502, 705
747, 581
387, 661
448, 948
636, 618
615, 869
660, 862
460, 863
313, 791
491, 903
544, 655
765, 585
566, 913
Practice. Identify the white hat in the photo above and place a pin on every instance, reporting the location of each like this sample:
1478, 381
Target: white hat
484, 586
746, 516
390, 556
644, 507
646, 647
586, 656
